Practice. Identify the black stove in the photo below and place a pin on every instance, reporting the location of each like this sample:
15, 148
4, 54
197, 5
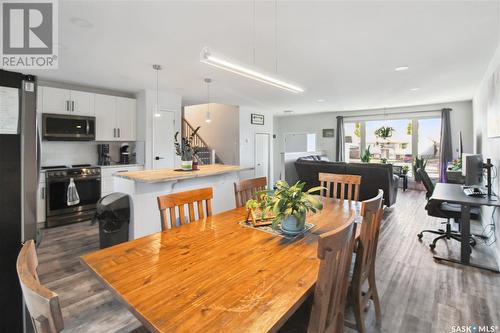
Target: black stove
87, 179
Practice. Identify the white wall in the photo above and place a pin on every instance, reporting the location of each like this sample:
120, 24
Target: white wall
247, 140
461, 120
146, 102
221, 133
488, 147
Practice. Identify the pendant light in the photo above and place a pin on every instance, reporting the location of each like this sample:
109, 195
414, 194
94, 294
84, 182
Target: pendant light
207, 115
157, 68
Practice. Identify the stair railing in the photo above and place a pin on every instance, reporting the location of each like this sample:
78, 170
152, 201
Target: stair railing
205, 153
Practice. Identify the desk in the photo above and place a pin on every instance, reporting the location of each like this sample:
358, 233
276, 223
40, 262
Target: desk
453, 193
215, 275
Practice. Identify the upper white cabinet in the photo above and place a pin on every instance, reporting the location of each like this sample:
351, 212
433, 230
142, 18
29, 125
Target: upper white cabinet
64, 101
115, 118
82, 103
126, 118
56, 100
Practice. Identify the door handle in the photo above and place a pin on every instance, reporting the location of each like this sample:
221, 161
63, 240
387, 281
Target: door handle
114, 132
72, 105
67, 105
118, 132
158, 158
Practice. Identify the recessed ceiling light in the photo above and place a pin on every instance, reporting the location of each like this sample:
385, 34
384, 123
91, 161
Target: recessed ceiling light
320, 100
414, 89
288, 111
401, 68
81, 22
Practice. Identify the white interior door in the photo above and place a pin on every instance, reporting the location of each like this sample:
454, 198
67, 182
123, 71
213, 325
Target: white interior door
262, 155
163, 144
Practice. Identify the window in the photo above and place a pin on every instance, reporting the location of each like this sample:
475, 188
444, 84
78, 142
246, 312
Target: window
391, 141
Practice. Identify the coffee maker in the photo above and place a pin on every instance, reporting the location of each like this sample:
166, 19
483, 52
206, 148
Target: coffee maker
124, 154
103, 154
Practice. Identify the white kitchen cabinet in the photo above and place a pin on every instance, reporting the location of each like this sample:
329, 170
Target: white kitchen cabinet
115, 118
105, 119
40, 202
107, 179
65, 101
82, 103
56, 100
125, 118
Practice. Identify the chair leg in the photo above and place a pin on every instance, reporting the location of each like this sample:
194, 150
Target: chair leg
433, 244
358, 311
373, 287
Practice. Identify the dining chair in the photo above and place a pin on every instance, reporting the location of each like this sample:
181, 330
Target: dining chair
364, 264
42, 303
169, 203
334, 182
335, 250
247, 189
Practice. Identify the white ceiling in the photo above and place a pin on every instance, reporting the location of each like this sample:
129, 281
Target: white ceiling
343, 52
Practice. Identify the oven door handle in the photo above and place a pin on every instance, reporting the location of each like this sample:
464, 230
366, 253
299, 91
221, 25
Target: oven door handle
87, 129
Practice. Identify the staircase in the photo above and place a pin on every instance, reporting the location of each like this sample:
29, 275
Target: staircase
205, 152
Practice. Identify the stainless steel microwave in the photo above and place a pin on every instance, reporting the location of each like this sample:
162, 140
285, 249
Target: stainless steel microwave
61, 127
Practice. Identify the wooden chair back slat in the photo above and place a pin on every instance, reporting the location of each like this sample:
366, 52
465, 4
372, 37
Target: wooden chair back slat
335, 250
199, 205
338, 184
372, 213
247, 189
177, 201
43, 304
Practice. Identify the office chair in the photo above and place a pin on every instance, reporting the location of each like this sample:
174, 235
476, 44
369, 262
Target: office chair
443, 210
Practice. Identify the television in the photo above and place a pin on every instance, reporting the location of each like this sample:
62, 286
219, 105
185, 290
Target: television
472, 169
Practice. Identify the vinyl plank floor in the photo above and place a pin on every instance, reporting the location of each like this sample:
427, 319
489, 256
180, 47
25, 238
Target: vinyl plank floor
417, 293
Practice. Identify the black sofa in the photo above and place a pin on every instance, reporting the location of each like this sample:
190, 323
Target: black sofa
373, 176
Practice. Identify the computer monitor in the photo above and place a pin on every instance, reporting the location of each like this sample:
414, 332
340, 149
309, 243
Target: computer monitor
472, 168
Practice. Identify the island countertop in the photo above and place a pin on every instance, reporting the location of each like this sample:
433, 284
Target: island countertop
166, 175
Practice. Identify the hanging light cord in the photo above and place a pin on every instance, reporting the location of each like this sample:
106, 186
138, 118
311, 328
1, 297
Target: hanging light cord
157, 93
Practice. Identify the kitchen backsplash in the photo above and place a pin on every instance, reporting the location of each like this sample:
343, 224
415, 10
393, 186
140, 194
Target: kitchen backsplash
74, 152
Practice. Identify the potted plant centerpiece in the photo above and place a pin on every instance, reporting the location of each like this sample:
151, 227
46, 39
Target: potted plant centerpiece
186, 150
290, 205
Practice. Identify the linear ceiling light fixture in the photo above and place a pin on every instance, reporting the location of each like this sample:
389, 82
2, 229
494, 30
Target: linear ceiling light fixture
211, 60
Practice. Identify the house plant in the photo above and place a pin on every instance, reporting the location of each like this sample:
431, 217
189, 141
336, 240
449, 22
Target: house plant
186, 150
419, 163
384, 132
290, 205
367, 155
405, 169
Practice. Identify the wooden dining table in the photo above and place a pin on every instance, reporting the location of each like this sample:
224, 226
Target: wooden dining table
216, 275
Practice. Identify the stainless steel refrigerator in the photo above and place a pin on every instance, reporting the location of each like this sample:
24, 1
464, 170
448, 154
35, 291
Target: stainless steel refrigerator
19, 165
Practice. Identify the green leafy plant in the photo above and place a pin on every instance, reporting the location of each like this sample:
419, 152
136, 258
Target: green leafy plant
357, 130
409, 128
367, 155
185, 148
418, 163
456, 165
405, 169
261, 204
384, 132
289, 200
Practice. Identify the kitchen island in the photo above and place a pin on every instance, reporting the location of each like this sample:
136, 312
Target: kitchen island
145, 186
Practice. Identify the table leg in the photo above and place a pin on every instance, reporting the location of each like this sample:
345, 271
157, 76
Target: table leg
465, 231
405, 183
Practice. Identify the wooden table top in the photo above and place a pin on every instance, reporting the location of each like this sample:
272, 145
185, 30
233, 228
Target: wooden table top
215, 275
166, 175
